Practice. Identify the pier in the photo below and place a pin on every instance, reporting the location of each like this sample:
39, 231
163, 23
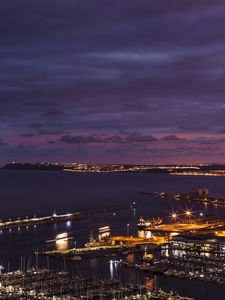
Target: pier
112, 246
57, 218
54, 218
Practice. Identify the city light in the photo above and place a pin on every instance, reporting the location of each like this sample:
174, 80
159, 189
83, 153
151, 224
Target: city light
174, 215
188, 212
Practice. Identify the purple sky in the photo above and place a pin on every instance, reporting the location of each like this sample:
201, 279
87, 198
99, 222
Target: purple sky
112, 81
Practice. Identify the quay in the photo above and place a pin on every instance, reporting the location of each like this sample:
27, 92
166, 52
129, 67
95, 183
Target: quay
54, 218
203, 225
90, 252
57, 218
109, 246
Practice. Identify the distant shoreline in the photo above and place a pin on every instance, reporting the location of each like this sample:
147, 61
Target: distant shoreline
215, 170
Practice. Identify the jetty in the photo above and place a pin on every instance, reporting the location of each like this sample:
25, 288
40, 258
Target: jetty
57, 218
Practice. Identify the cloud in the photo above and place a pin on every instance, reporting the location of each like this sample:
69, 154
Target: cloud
53, 113
172, 137
149, 68
43, 131
80, 139
2, 143
28, 135
140, 138
115, 139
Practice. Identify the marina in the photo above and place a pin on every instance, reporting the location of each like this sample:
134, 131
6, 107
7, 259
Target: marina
157, 295
49, 285
45, 284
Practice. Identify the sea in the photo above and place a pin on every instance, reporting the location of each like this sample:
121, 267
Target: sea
42, 193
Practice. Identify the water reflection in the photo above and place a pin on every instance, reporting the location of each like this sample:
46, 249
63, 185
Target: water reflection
68, 223
113, 268
62, 241
130, 258
150, 284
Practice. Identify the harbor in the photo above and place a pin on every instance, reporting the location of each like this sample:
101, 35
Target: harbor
85, 248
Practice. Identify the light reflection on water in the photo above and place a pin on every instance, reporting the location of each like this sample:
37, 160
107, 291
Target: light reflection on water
130, 258
62, 241
113, 269
150, 283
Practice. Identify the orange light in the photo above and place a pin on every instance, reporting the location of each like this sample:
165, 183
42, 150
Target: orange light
188, 213
173, 215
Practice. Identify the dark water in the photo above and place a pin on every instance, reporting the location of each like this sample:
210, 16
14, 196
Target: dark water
40, 193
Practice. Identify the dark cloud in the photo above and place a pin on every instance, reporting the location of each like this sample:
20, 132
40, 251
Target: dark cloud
53, 113
2, 143
28, 135
172, 137
35, 125
115, 139
140, 138
43, 131
79, 139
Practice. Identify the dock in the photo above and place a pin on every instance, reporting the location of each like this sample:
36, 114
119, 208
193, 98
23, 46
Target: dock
113, 246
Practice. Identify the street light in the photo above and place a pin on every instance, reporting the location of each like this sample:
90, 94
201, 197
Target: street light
174, 216
188, 213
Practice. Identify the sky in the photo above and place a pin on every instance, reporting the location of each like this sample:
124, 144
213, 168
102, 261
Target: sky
112, 81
